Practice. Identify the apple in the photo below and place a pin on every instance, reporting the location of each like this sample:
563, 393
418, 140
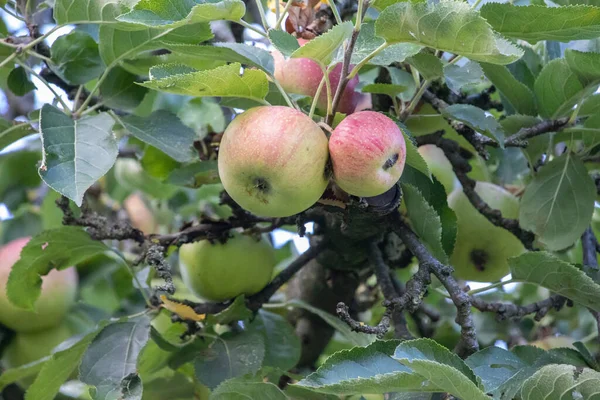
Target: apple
438, 165
272, 161
139, 214
368, 153
222, 271
482, 249
59, 289
303, 76
27, 347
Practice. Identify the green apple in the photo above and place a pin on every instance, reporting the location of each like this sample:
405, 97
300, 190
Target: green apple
272, 161
219, 272
482, 249
27, 347
439, 165
368, 153
59, 289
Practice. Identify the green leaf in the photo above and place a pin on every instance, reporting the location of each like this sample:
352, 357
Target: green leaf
494, 366
282, 346
223, 81
427, 64
79, 11
449, 26
236, 311
19, 83
76, 153
442, 368
119, 90
109, 363
11, 132
367, 42
549, 271
229, 356
231, 52
58, 370
323, 48
244, 389
534, 23
384, 88
585, 65
434, 193
370, 369
283, 41
459, 76
558, 381
53, 249
477, 119
558, 203
117, 43
75, 58
195, 175
425, 221
517, 94
174, 13
12, 375
534, 359
413, 157
591, 106
557, 89
357, 339
164, 131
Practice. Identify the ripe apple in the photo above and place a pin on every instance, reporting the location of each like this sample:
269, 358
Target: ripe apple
303, 76
439, 165
482, 249
368, 153
272, 161
59, 289
219, 272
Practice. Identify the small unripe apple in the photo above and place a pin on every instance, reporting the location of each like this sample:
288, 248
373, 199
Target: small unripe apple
223, 271
27, 347
303, 76
59, 289
368, 152
438, 165
272, 161
482, 249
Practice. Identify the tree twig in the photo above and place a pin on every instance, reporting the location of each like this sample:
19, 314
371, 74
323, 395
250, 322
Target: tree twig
506, 311
468, 343
461, 168
552, 125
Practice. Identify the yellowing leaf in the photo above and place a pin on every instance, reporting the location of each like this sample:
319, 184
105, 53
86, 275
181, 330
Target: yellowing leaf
184, 311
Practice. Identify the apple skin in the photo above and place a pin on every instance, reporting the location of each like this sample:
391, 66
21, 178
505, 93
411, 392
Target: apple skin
439, 165
303, 76
27, 347
219, 272
139, 214
272, 161
368, 153
482, 249
59, 289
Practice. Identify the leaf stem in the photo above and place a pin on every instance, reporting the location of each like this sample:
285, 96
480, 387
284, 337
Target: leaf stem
365, 60
415, 100
261, 11
289, 101
77, 96
251, 27
283, 13
476, 4
335, 11
313, 106
490, 287
66, 108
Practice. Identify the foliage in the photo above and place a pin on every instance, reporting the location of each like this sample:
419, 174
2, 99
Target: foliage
118, 169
